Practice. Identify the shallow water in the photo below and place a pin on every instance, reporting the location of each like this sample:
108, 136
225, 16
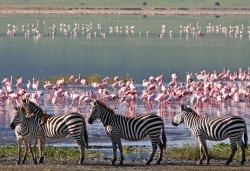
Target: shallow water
97, 135
137, 55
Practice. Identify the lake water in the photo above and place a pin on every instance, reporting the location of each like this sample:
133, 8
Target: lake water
143, 52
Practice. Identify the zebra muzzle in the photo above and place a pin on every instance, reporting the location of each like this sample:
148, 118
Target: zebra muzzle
90, 121
175, 124
12, 126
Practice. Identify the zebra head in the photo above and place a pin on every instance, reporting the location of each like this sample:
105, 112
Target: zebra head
19, 113
179, 117
32, 108
94, 111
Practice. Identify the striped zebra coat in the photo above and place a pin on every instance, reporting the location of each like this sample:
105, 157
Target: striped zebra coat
28, 132
59, 126
129, 128
215, 129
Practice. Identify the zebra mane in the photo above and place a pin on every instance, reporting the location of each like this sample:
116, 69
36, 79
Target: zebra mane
27, 101
98, 102
45, 118
25, 110
187, 109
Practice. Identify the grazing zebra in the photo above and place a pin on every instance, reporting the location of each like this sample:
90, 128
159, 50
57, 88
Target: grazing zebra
129, 128
215, 129
28, 131
59, 126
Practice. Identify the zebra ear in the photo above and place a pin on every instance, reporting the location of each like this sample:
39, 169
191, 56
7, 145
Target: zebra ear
97, 102
25, 100
15, 108
182, 107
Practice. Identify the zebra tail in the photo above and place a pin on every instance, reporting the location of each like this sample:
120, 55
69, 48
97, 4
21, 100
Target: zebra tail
246, 137
85, 133
164, 139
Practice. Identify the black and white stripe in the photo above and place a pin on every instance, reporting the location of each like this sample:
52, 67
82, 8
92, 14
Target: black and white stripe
59, 126
215, 129
28, 131
129, 128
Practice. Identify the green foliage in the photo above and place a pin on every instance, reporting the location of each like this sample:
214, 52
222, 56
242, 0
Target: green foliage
130, 149
52, 153
95, 78
186, 151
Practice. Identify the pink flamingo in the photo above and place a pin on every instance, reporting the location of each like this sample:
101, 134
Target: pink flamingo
19, 82
75, 98
48, 86
92, 95
160, 98
77, 80
61, 83
35, 85
72, 78
28, 84
85, 99
116, 79
84, 82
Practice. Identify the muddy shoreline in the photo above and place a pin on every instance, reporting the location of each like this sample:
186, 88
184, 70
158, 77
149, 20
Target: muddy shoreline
97, 164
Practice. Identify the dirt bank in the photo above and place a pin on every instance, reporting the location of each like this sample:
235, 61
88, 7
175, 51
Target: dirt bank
131, 164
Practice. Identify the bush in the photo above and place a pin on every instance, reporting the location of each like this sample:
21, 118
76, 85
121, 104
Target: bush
144, 3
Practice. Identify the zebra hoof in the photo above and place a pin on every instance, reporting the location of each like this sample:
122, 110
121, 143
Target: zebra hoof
113, 162
40, 160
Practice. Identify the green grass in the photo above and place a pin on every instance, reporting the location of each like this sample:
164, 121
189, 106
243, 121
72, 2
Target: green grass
191, 152
52, 153
184, 152
80, 4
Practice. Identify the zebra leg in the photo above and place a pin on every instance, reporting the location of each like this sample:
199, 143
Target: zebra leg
34, 149
243, 151
82, 152
25, 152
19, 149
41, 150
234, 149
32, 153
114, 151
154, 146
160, 145
203, 151
121, 152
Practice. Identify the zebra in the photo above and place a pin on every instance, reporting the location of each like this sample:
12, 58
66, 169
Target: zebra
59, 126
28, 132
215, 129
129, 128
